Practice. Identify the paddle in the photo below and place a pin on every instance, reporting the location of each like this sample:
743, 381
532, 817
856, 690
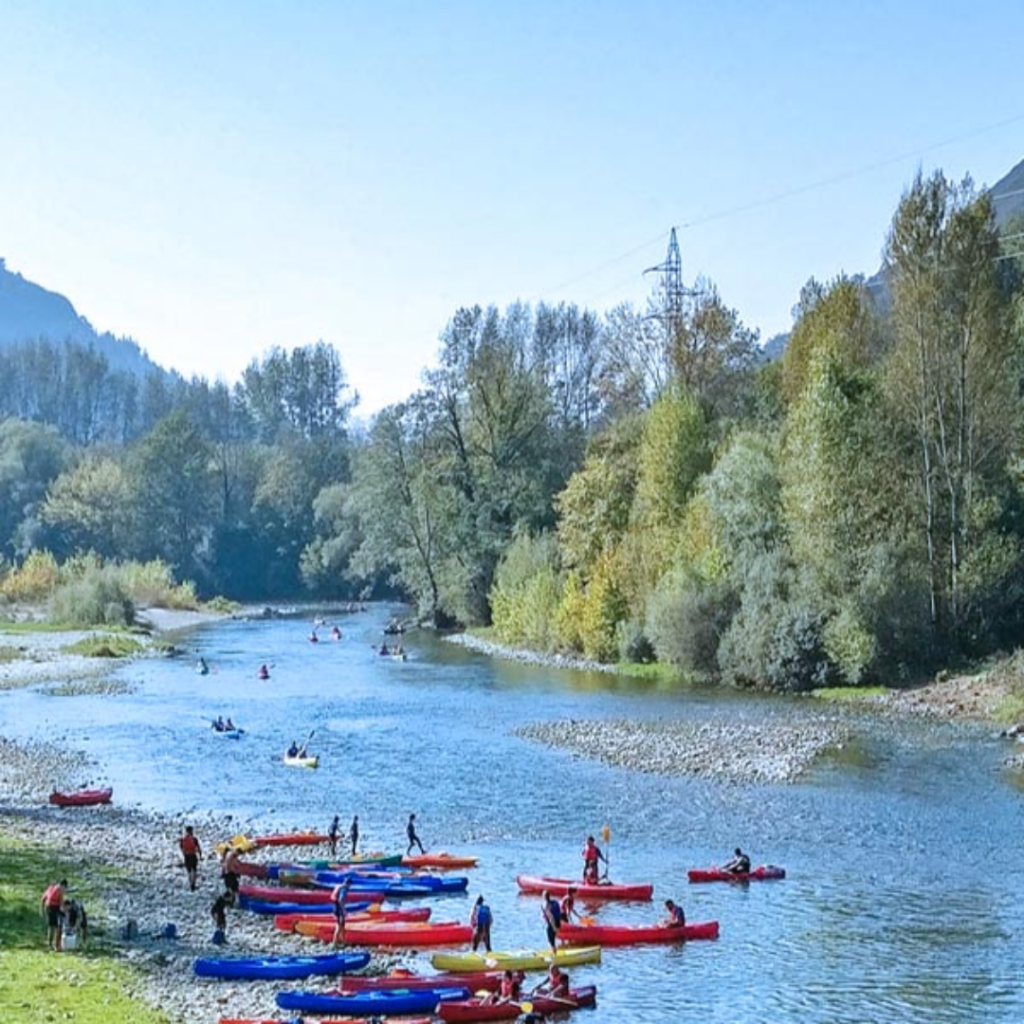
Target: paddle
303, 748
588, 921
606, 835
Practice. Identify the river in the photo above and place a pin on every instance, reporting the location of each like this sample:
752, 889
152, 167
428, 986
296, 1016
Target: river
903, 899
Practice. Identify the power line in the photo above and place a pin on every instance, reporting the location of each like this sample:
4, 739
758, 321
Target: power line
790, 193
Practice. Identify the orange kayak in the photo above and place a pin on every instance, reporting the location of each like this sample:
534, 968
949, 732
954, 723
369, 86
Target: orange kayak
438, 860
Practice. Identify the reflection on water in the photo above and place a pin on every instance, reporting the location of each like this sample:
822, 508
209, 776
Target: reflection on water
902, 848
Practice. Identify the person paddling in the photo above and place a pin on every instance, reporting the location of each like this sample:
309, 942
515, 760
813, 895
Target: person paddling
739, 865
556, 984
592, 855
676, 918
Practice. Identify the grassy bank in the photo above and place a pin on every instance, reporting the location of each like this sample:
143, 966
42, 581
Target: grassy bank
38, 986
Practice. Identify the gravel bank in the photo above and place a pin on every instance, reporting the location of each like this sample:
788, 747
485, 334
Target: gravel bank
524, 657
723, 751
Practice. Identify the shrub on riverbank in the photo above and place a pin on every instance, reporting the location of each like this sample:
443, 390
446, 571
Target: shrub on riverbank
106, 645
38, 986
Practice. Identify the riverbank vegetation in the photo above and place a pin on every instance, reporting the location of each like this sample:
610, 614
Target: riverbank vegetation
645, 486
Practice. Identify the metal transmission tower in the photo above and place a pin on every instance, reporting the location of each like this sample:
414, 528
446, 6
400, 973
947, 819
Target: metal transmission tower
673, 292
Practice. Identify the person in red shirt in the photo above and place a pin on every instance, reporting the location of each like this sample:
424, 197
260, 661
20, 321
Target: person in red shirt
191, 851
592, 855
53, 905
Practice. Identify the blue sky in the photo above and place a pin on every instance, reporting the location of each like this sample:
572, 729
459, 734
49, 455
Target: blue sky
215, 179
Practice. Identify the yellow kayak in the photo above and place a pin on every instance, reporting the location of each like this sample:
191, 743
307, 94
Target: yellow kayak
518, 960
243, 844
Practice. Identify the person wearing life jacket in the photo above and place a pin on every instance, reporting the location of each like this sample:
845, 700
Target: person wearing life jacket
293, 750
191, 851
592, 855
676, 917
263, 673
335, 633
52, 903
481, 919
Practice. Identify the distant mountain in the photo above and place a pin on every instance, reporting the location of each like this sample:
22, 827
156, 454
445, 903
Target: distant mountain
1008, 195
28, 312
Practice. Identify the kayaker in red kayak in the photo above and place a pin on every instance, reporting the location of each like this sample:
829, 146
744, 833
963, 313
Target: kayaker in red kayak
676, 917
739, 865
556, 984
510, 990
592, 855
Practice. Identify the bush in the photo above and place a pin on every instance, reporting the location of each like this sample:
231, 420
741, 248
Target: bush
152, 583
686, 620
98, 598
34, 580
634, 645
526, 593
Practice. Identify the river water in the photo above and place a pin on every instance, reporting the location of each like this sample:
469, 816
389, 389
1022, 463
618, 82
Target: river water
903, 900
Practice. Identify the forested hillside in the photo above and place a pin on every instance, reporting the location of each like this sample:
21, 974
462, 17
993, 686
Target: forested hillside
622, 485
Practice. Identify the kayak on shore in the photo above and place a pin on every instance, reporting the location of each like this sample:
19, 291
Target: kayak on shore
762, 873
330, 1020
477, 1009
440, 860
628, 935
517, 960
274, 894
406, 933
290, 839
323, 913
372, 1003
476, 981
584, 891
82, 798
268, 908
280, 967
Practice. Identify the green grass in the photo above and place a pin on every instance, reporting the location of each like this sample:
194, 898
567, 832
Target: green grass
848, 694
19, 628
651, 671
1011, 708
38, 986
105, 645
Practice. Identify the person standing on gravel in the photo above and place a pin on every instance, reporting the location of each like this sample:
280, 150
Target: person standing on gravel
353, 833
191, 851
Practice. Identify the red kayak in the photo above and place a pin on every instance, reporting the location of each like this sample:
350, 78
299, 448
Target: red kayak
83, 798
288, 922
762, 873
276, 894
398, 933
438, 860
476, 981
478, 1009
601, 891
250, 870
291, 839
628, 935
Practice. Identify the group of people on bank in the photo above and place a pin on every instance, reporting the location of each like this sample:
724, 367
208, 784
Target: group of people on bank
67, 925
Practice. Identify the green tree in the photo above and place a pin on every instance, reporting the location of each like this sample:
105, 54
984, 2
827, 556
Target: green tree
91, 508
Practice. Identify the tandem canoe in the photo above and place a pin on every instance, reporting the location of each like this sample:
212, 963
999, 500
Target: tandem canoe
762, 873
82, 798
517, 960
288, 922
279, 966
477, 1009
631, 935
372, 1003
601, 891
442, 860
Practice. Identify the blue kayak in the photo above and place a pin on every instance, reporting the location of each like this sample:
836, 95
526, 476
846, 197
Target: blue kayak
266, 907
435, 883
372, 1003
279, 966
